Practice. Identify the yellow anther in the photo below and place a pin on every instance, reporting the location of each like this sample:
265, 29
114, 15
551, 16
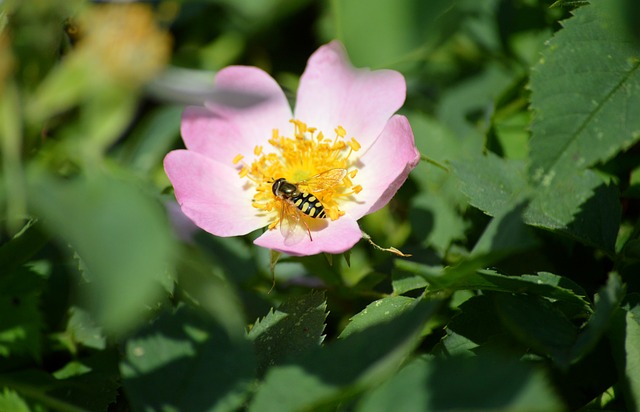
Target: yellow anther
356, 189
275, 134
339, 145
353, 173
320, 137
237, 159
300, 127
354, 145
243, 172
340, 131
257, 150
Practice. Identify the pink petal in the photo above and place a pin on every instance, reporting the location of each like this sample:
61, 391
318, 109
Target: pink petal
222, 132
384, 167
211, 194
332, 92
337, 237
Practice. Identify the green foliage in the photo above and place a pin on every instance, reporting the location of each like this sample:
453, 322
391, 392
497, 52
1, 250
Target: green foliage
121, 279
295, 327
327, 374
183, 362
521, 291
626, 341
435, 385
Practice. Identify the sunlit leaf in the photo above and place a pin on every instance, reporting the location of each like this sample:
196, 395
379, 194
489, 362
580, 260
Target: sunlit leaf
583, 105
82, 329
404, 282
579, 204
380, 311
11, 401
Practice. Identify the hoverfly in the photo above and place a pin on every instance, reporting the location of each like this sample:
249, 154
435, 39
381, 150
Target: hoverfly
299, 198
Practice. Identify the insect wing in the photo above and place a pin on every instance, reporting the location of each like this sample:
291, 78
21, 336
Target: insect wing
290, 225
323, 181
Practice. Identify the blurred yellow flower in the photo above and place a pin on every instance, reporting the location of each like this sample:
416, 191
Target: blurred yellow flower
122, 42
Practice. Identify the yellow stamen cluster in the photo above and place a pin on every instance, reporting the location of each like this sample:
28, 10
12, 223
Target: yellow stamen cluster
300, 158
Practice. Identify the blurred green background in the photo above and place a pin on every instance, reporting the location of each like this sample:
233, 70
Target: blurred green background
110, 299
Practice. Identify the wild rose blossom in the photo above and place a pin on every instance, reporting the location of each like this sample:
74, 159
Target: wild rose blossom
343, 120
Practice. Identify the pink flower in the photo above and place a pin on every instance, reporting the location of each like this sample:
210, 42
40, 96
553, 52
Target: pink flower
346, 153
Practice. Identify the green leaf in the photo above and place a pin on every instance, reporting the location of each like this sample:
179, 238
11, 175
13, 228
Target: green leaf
466, 99
22, 246
434, 221
625, 339
20, 331
82, 329
607, 303
153, 138
511, 128
632, 346
184, 362
90, 387
580, 206
380, 311
475, 327
403, 282
538, 325
543, 284
435, 213
492, 184
505, 235
363, 358
91, 382
393, 26
11, 401
295, 327
403, 392
583, 105
120, 234
464, 383
204, 283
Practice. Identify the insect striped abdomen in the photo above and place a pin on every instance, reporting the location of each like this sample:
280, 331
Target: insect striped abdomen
309, 205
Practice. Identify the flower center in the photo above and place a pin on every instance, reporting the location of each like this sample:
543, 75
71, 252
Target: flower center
303, 160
